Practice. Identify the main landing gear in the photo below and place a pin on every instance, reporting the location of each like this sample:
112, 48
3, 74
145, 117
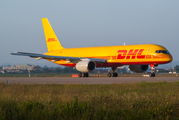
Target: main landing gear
83, 74
113, 74
152, 74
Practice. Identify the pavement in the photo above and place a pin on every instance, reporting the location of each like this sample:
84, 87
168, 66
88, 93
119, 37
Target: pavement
89, 80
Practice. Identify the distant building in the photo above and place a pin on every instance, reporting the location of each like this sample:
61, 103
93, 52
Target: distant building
9, 67
2, 71
21, 67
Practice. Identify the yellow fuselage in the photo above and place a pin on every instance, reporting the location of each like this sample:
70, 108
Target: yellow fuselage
117, 55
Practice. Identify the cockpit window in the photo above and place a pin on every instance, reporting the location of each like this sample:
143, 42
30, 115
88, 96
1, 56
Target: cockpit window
162, 51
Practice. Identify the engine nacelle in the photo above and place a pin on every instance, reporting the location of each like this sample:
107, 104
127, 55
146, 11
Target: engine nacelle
138, 68
85, 66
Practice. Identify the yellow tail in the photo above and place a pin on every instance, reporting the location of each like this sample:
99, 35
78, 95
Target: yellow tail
51, 39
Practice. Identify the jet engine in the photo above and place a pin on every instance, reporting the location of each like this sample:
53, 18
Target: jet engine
85, 66
138, 68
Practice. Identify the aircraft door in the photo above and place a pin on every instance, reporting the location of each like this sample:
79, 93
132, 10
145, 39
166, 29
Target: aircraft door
148, 54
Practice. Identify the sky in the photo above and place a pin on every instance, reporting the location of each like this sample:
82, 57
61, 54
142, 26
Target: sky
86, 23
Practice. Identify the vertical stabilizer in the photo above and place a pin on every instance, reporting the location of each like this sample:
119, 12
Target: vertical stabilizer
51, 39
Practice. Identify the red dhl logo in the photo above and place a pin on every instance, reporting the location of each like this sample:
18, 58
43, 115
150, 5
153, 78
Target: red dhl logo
51, 40
132, 54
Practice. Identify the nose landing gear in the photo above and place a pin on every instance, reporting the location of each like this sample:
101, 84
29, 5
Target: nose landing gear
152, 74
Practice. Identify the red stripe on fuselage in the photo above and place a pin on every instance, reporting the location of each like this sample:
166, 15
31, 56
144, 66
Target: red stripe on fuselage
121, 64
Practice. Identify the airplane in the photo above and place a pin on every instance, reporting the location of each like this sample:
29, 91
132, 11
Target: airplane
86, 59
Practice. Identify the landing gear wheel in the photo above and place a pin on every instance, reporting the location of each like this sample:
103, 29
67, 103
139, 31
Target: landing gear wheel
85, 74
114, 75
79, 74
152, 75
109, 74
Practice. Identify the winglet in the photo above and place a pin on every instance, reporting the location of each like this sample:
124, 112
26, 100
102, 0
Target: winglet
50, 36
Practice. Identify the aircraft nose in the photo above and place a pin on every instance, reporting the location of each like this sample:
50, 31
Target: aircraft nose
170, 57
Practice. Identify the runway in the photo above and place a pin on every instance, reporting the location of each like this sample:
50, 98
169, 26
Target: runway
89, 80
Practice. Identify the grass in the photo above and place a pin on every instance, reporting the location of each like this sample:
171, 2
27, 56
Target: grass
116, 101
36, 75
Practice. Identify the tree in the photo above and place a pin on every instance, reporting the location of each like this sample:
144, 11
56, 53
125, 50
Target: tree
58, 69
176, 67
69, 70
46, 69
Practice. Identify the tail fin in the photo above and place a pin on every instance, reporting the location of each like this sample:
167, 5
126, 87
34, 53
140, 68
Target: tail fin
51, 39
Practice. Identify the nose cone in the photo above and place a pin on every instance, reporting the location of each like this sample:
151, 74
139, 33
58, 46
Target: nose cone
170, 57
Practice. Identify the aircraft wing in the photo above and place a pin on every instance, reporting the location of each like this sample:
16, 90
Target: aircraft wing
56, 58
